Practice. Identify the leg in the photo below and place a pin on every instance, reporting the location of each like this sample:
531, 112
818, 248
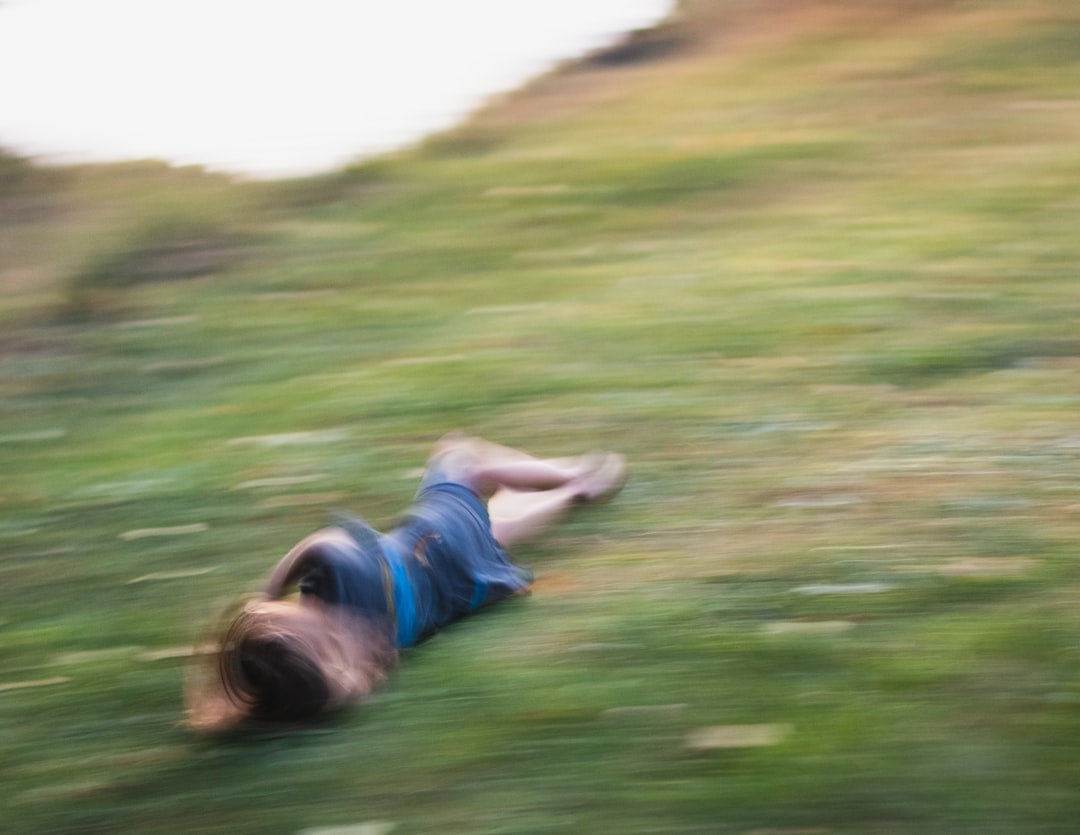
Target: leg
518, 515
526, 494
485, 467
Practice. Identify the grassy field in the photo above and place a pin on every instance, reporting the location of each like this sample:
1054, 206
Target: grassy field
812, 266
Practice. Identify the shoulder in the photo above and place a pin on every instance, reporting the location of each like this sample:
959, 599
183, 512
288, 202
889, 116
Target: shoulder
327, 548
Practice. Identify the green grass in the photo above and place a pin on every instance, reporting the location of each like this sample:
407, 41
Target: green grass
813, 272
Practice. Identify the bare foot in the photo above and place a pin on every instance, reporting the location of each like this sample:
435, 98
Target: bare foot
604, 481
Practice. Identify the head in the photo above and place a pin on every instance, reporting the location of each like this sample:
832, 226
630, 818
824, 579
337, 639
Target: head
288, 661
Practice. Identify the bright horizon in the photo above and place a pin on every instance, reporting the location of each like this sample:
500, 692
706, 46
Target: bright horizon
273, 88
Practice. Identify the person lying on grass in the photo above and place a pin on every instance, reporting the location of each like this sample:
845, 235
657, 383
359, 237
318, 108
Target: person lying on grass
362, 595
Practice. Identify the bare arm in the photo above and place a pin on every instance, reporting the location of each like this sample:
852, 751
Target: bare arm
293, 564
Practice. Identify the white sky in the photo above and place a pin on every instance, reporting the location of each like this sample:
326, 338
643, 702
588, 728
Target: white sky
273, 87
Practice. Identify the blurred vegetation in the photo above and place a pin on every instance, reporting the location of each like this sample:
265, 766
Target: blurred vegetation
811, 266
174, 246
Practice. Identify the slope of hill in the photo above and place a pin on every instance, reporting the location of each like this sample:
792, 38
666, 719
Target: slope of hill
811, 265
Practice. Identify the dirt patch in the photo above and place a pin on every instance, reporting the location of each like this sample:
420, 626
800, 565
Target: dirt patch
738, 736
555, 582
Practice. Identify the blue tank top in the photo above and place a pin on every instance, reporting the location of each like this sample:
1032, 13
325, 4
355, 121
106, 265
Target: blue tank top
441, 563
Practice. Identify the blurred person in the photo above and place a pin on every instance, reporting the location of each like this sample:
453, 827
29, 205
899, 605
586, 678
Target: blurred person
337, 607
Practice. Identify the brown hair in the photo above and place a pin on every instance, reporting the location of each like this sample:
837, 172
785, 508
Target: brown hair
286, 661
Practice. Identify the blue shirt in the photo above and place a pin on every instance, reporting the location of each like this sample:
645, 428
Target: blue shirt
441, 563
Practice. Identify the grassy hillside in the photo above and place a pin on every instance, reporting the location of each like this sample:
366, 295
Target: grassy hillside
811, 266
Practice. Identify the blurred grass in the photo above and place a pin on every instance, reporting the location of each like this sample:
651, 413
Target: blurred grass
812, 267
